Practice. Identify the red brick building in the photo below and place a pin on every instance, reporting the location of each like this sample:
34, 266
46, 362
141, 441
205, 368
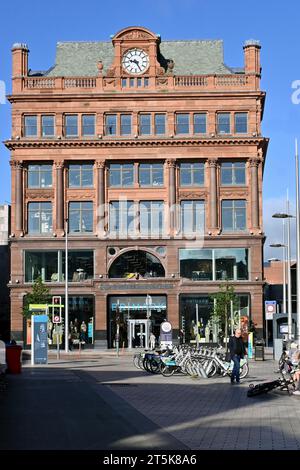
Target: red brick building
111, 137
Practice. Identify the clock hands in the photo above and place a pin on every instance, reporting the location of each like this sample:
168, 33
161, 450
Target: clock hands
136, 62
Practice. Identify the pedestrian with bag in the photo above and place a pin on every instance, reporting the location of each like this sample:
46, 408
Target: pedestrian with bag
237, 352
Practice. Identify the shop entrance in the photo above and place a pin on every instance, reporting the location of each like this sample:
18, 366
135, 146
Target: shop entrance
137, 317
138, 332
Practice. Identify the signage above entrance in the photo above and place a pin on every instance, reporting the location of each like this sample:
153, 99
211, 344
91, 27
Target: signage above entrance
135, 286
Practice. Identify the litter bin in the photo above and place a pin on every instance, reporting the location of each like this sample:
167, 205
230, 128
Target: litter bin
259, 351
13, 358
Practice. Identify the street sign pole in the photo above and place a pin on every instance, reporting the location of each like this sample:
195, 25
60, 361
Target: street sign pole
197, 321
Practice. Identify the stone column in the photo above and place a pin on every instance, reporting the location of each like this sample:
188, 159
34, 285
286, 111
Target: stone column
59, 196
18, 166
213, 198
100, 167
254, 162
171, 164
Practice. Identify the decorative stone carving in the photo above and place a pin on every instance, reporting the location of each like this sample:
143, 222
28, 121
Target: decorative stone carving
100, 67
111, 72
212, 162
136, 35
234, 194
171, 162
100, 164
58, 165
39, 194
161, 81
193, 195
254, 162
16, 164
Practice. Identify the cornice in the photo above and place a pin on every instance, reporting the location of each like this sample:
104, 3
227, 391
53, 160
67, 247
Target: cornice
168, 142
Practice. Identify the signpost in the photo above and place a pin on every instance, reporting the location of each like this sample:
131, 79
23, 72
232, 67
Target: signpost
39, 338
165, 335
270, 309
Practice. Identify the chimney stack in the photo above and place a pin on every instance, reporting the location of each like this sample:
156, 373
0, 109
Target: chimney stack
252, 56
19, 65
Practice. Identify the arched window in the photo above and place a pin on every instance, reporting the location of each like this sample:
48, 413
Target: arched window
136, 264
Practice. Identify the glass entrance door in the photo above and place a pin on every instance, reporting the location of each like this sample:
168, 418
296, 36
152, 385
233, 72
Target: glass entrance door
138, 333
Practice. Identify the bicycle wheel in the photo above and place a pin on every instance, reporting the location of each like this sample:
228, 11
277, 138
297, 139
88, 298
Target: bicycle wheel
155, 366
166, 370
136, 358
213, 371
244, 370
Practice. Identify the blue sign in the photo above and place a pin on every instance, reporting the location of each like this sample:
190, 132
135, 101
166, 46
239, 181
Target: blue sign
90, 329
40, 339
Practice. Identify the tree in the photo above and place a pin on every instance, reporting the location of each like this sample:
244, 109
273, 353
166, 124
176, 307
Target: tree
40, 294
222, 307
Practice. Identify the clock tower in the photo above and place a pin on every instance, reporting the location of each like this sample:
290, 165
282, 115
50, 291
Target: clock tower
136, 51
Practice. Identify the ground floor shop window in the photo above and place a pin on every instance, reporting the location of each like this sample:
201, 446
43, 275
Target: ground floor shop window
81, 324
135, 265
137, 316
207, 331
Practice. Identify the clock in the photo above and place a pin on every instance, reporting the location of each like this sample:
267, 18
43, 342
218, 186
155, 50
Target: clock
135, 61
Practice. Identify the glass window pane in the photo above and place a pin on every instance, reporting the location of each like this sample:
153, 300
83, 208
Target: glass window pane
127, 175
33, 178
226, 175
74, 176
125, 124
240, 173
200, 123
145, 124
196, 264
182, 124
71, 125
115, 175
111, 124
157, 175
185, 175
30, 126
47, 126
224, 123
88, 124
241, 123
46, 176
144, 175
160, 124
43, 264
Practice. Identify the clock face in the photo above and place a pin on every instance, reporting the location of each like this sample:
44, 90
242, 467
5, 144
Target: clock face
135, 61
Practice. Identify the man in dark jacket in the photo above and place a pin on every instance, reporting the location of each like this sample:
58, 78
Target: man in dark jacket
237, 351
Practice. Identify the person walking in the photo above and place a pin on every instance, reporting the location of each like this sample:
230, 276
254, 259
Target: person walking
152, 341
237, 352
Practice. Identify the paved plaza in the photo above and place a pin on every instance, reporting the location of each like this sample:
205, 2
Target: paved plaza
101, 401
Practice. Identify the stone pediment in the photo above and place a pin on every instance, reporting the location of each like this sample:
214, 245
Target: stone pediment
135, 33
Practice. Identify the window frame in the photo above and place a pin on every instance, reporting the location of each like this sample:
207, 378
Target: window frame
194, 125
233, 173
25, 116
121, 173
42, 126
81, 171
247, 122
70, 136
40, 211
80, 209
234, 209
192, 173
151, 171
176, 124
39, 172
83, 126
218, 123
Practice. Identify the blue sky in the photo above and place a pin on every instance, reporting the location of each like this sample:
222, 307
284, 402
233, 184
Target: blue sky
275, 24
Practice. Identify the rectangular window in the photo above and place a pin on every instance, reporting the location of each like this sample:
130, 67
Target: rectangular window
200, 123
233, 173
124, 82
231, 264
151, 218
80, 217
234, 215
125, 124
121, 175
223, 123
122, 217
214, 264
80, 265
131, 82
30, 126
146, 82
182, 123
145, 124
151, 174
241, 123
43, 264
50, 265
111, 124
81, 175
48, 126
39, 217
191, 174
39, 176
160, 124
88, 126
196, 264
71, 125
192, 217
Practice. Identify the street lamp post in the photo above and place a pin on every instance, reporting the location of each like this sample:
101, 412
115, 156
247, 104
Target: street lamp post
298, 241
288, 246
66, 290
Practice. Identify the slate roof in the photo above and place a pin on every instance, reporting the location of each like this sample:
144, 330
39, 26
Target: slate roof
190, 58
